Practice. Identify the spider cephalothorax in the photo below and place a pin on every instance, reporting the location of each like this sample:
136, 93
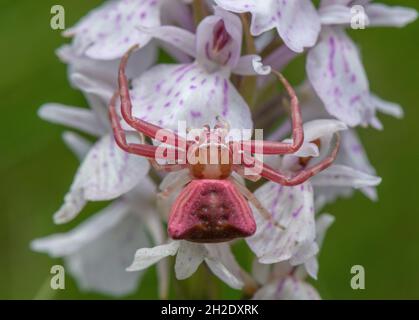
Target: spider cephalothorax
213, 205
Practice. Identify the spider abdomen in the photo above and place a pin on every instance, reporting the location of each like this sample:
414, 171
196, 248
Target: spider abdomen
210, 211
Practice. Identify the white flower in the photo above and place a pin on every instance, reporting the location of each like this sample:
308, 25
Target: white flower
293, 207
284, 281
296, 21
189, 256
334, 66
198, 92
98, 251
106, 172
108, 31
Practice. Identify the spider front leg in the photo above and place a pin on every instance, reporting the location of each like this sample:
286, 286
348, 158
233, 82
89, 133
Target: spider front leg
169, 186
272, 147
143, 150
297, 178
167, 167
148, 129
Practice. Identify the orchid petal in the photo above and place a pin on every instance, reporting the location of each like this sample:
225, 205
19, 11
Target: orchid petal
105, 73
251, 65
74, 117
261, 272
343, 176
98, 79
146, 257
109, 31
189, 257
98, 250
317, 129
76, 143
354, 155
167, 94
210, 53
289, 288
292, 208
106, 173
337, 75
390, 108
323, 223
382, 15
297, 22
222, 263
335, 14
177, 37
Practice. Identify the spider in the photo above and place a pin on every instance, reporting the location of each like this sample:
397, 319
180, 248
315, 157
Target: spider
213, 205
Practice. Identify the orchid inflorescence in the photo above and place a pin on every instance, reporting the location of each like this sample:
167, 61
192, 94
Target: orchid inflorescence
227, 55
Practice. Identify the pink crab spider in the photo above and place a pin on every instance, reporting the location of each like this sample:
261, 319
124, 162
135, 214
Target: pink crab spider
213, 205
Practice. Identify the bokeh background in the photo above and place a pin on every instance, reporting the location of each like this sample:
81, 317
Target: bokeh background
36, 169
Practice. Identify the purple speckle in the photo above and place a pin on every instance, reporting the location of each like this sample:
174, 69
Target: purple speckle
195, 114
332, 54
355, 99
225, 98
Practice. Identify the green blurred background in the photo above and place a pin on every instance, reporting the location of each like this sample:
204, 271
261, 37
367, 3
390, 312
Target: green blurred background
36, 169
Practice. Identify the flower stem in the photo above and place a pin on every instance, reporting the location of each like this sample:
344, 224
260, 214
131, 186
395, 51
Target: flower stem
247, 86
199, 11
45, 292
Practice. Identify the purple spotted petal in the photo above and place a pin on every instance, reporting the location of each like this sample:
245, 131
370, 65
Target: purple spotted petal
97, 252
289, 288
106, 173
297, 21
336, 73
293, 208
105, 73
97, 79
167, 94
107, 32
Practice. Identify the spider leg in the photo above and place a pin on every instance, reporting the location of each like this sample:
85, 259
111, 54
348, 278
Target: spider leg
167, 167
143, 150
241, 171
273, 147
168, 189
150, 130
298, 178
256, 203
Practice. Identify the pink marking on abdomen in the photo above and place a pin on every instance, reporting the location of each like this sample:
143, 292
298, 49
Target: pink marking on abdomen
209, 211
